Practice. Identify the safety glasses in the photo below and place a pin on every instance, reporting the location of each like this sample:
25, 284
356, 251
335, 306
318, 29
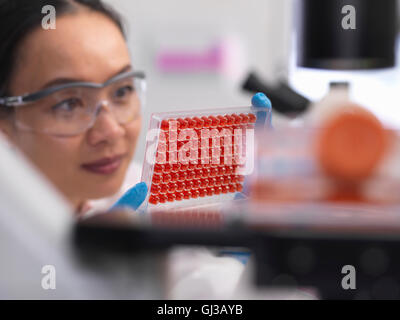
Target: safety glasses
71, 109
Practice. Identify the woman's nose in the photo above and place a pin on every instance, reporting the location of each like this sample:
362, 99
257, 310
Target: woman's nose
106, 128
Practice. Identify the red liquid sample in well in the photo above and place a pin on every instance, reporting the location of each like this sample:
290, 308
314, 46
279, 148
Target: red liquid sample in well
219, 181
204, 183
206, 122
215, 122
171, 197
158, 168
191, 123
229, 120
221, 171
196, 183
174, 177
178, 196
245, 118
156, 179
225, 189
227, 180
212, 182
222, 121
183, 124
198, 173
167, 168
252, 118
237, 119
187, 195
153, 199
163, 188
166, 178
210, 191
172, 187
155, 189
199, 165
213, 172
229, 170
190, 175
165, 125
180, 186
162, 198
199, 123
189, 185
195, 194
182, 176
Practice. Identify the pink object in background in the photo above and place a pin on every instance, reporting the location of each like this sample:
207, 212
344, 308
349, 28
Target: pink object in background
179, 61
225, 57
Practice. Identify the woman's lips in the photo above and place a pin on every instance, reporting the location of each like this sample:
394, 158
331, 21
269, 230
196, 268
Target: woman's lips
104, 166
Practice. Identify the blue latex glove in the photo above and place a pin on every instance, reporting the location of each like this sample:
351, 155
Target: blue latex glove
133, 198
260, 101
264, 105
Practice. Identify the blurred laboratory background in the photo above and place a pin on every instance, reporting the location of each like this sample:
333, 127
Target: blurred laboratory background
197, 54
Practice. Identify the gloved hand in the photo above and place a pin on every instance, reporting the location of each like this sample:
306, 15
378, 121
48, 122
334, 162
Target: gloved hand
133, 198
264, 106
261, 101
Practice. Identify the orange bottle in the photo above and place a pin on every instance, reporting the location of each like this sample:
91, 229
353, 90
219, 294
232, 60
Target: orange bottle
351, 144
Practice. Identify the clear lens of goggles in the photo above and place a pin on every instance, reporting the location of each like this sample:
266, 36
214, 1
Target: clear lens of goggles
72, 111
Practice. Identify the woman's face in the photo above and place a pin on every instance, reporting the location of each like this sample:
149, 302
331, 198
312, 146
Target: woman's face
86, 46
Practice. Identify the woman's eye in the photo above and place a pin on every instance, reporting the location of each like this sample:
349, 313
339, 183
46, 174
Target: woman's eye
68, 105
124, 92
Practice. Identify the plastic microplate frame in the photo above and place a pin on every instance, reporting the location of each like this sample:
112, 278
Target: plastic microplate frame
199, 158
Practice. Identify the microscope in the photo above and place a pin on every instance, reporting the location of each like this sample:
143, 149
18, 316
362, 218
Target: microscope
334, 35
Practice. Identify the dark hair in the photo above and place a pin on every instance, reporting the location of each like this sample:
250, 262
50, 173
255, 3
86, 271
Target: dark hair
19, 17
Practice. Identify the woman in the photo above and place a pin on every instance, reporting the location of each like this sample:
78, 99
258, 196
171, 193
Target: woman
82, 138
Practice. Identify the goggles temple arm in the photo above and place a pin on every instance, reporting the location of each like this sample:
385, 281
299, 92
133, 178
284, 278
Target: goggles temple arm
22, 100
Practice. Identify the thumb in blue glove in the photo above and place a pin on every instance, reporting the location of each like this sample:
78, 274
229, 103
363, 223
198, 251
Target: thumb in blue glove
133, 198
263, 110
261, 101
